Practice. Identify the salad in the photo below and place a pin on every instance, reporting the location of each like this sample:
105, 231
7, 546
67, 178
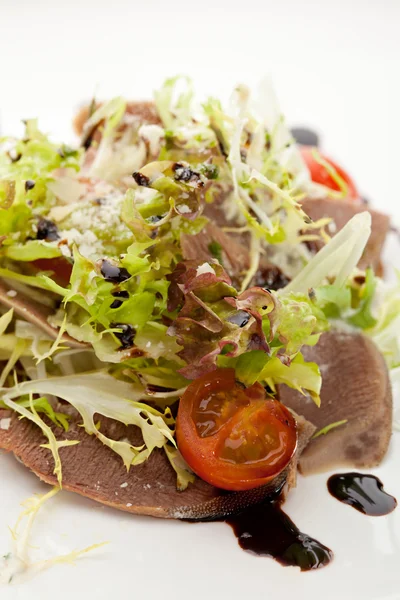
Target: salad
191, 307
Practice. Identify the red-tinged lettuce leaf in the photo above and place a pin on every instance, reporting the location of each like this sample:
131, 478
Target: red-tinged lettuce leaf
209, 282
258, 303
212, 319
200, 347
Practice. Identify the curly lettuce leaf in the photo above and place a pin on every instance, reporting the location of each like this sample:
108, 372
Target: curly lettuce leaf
32, 415
17, 566
256, 332
31, 250
337, 259
105, 396
328, 428
181, 468
26, 173
256, 365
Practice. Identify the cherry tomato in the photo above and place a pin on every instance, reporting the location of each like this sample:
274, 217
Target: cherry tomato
319, 173
61, 268
233, 437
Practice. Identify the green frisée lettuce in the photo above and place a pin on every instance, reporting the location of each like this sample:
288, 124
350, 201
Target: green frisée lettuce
97, 236
337, 259
26, 171
17, 566
351, 298
5, 321
104, 396
305, 377
383, 321
328, 428
174, 105
32, 415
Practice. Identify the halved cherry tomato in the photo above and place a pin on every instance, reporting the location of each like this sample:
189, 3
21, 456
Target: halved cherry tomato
319, 173
233, 437
61, 268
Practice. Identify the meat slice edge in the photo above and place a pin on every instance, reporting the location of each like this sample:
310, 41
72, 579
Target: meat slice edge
95, 471
35, 313
356, 387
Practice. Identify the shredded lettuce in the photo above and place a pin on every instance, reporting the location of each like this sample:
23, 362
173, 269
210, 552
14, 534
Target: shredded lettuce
32, 415
17, 566
105, 396
328, 428
173, 107
5, 321
183, 471
337, 259
98, 233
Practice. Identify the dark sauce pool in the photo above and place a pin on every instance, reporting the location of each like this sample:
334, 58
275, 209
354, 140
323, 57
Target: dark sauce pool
266, 530
364, 492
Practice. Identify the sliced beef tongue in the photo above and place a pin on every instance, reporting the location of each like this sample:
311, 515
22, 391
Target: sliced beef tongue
145, 111
34, 312
235, 256
356, 387
95, 471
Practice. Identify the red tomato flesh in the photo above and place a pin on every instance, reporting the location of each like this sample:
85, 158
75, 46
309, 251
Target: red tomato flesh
60, 267
233, 437
319, 173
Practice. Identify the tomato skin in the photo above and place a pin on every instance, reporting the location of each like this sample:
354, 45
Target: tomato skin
320, 175
250, 442
61, 268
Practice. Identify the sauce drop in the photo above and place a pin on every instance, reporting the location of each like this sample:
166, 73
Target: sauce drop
266, 530
114, 273
364, 492
305, 136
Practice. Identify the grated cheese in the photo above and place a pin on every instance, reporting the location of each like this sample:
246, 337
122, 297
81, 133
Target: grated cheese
204, 268
95, 223
5, 424
152, 134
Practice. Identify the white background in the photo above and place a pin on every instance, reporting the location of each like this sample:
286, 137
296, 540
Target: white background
336, 68
335, 64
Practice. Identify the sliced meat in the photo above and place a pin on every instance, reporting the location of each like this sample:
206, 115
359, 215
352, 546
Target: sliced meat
341, 211
34, 312
95, 471
145, 111
356, 387
235, 255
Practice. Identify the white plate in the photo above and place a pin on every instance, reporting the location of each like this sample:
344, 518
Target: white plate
150, 558
335, 67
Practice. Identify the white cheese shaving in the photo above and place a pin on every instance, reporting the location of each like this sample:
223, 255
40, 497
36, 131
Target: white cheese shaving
204, 268
93, 223
59, 213
5, 424
124, 485
152, 134
12, 293
67, 189
144, 195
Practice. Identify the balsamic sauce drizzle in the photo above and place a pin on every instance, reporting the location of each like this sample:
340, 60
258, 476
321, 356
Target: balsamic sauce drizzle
364, 492
266, 530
